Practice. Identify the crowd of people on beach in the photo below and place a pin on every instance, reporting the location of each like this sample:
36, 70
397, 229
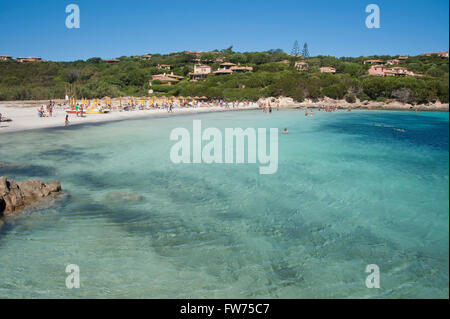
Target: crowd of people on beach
171, 105
82, 108
46, 110
79, 108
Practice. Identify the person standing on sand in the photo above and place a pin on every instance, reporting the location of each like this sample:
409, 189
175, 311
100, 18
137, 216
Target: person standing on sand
66, 122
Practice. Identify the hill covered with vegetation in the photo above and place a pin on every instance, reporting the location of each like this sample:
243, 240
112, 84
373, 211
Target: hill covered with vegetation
274, 74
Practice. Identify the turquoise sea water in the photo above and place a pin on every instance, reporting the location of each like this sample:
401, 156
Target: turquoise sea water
349, 191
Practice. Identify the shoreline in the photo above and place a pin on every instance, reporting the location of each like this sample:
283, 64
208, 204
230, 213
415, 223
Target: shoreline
389, 105
24, 118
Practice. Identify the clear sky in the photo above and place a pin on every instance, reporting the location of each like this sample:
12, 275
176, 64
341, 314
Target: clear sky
112, 28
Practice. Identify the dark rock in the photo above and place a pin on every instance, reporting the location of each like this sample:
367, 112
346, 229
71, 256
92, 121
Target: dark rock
14, 196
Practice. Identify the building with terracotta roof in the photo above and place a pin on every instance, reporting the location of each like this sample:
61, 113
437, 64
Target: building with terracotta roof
5, 58
381, 70
377, 70
29, 59
440, 54
164, 67
227, 65
201, 72
164, 79
393, 62
112, 60
179, 77
373, 62
241, 69
222, 71
398, 71
403, 58
230, 68
327, 69
146, 57
301, 66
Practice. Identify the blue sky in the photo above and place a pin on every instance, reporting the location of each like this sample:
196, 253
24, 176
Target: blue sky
111, 28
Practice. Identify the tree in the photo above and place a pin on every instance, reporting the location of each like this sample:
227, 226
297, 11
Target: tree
72, 75
305, 51
94, 60
295, 49
228, 50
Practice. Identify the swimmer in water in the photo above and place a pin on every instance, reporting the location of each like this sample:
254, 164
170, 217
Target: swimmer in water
312, 113
285, 131
306, 113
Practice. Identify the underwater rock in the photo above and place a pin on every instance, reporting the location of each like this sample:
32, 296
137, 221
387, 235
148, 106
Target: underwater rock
14, 196
124, 197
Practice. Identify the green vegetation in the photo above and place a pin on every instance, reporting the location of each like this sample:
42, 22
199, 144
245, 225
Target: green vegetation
274, 75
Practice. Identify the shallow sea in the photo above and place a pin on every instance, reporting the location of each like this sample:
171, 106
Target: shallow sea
352, 189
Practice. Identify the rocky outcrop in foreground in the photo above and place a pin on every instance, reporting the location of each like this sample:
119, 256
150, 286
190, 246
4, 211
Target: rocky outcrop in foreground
14, 196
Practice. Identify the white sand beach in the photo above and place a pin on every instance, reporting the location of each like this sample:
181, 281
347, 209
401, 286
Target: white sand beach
24, 113
26, 118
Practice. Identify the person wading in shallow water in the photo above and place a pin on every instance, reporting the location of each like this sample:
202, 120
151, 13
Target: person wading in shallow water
66, 122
